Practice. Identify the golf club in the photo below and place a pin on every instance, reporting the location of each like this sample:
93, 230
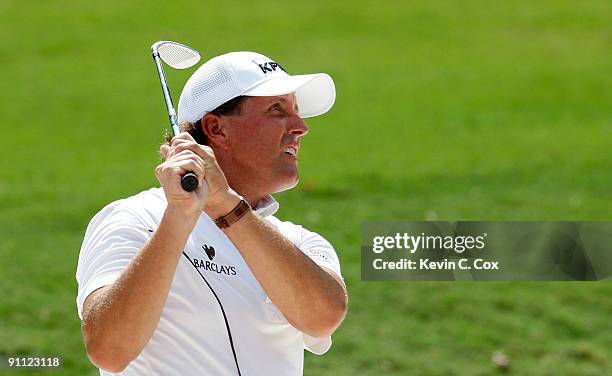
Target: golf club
178, 56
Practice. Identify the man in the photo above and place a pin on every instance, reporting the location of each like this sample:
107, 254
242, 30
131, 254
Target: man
198, 283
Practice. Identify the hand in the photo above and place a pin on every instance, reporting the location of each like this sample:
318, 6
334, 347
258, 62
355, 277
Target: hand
213, 195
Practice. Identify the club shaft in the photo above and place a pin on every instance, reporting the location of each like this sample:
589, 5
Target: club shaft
189, 181
167, 96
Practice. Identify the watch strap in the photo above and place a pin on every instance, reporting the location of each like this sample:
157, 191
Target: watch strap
234, 215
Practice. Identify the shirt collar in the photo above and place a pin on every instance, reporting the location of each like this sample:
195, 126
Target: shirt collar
266, 206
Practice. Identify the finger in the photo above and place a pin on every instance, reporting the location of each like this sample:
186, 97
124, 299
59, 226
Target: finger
188, 158
174, 150
186, 155
164, 150
183, 136
205, 152
176, 154
178, 141
184, 166
192, 166
179, 145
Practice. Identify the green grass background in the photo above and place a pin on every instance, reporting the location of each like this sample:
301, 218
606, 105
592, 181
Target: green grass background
450, 110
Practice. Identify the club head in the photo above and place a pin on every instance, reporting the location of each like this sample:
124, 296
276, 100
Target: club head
176, 55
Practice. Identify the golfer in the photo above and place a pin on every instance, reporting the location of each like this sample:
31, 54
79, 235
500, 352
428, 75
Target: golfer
210, 282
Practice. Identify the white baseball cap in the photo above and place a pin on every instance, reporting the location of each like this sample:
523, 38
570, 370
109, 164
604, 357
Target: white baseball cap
251, 74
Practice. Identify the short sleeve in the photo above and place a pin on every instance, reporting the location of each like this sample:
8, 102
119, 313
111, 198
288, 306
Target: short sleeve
319, 250
310, 243
323, 254
112, 239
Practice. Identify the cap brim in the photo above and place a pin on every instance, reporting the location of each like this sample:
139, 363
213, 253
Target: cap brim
315, 93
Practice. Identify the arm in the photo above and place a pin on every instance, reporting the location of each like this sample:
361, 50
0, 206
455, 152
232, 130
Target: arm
119, 319
312, 298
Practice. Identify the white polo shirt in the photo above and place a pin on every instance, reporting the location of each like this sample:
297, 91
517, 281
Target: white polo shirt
192, 337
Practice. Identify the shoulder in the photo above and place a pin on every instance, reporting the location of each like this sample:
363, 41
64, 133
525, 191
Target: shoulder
298, 234
122, 223
287, 228
310, 243
149, 201
146, 207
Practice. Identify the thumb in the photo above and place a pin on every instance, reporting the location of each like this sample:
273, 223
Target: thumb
164, 149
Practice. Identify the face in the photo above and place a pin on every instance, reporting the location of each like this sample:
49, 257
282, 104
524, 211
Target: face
264, 141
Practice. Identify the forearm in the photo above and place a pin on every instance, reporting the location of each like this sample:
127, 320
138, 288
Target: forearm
310, 298
123, 317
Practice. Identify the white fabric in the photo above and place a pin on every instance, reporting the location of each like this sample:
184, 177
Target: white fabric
191, 338
233, 74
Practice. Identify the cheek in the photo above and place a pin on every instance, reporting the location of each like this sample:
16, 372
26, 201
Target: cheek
255, 143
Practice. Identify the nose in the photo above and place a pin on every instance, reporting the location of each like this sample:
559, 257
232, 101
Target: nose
297, 126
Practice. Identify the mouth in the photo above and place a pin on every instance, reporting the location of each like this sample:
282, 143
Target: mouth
291, 151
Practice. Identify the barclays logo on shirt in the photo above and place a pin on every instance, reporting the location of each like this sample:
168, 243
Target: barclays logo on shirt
210, 251
214, 267
211, 266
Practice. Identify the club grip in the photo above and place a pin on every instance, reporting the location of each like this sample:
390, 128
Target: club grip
189, 182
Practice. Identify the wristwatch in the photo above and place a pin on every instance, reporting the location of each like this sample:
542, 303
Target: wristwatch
234, 215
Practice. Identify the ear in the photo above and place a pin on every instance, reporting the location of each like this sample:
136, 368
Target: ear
214, 126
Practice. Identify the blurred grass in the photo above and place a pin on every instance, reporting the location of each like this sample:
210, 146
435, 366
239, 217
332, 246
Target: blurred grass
445, 110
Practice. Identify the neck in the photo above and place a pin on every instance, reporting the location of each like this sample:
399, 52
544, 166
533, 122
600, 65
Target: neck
242, 180
245, 190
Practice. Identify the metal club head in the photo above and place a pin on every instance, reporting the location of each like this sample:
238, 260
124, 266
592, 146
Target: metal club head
176, 55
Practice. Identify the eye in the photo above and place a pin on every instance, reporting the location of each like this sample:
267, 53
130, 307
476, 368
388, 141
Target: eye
277, 109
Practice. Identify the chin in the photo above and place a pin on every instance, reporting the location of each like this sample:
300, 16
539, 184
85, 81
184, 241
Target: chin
288, 182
